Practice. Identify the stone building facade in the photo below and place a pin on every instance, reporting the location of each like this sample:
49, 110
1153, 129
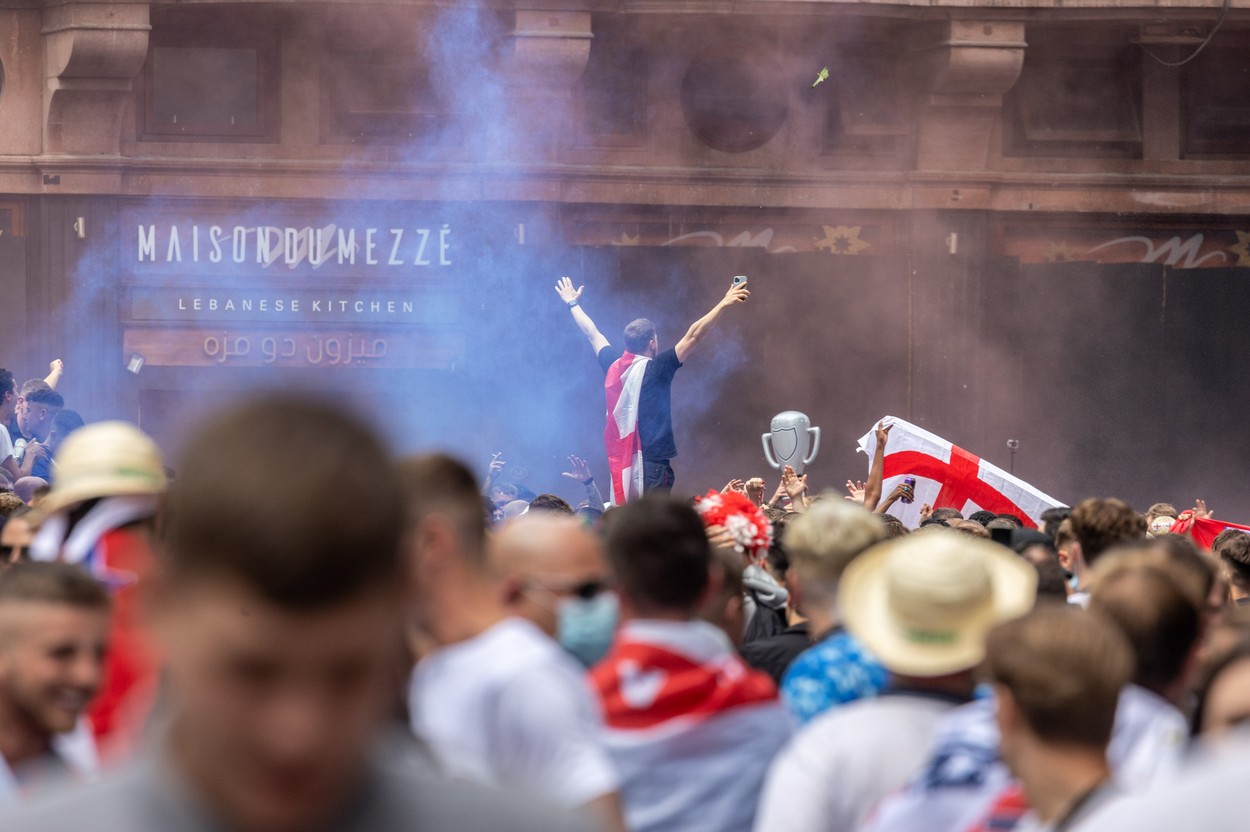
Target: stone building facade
168, 167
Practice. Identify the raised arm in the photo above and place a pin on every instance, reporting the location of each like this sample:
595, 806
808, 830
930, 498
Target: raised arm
876, 474
492, 473
57, 369
699, 328
571, 296
581, 473
900, 491
11, 471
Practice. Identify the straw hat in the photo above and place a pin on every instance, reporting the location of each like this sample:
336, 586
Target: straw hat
924, 603
105, 459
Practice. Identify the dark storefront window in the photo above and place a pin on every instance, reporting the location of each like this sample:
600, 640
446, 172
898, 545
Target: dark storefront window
1075, 98
612, 94
210, 86
1216, 117
866, 108
375, 98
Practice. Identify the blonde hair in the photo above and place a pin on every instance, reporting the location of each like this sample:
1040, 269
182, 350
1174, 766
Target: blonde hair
822, 541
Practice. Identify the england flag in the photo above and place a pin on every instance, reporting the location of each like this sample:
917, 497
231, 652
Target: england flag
947, 476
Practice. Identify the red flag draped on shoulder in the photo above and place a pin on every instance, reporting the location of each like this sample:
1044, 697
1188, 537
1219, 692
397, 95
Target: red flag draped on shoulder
623, 389
947, 476
689, 726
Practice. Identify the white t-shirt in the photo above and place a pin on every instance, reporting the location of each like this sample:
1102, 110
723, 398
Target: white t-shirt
510, 708
6, 443
72, 760
842, 763
1148, 744
1209, 796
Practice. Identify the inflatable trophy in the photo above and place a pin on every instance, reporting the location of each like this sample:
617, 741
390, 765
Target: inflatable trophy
791, 434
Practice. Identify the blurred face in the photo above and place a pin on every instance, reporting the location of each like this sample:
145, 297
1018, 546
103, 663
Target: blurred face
55, 437
1228, 701
8, 402
35, 419
274, 709
51, 662
15, 538
556, 560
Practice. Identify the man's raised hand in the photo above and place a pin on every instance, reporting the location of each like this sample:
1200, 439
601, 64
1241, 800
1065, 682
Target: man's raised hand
496, 465
564, 288
883, 433
580, 472
795, 485
736, 294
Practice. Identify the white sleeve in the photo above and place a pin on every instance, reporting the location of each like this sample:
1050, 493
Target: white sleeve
550, 737
798, 792
6, 444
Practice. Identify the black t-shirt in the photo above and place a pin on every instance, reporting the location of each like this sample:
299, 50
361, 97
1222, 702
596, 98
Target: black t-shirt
655, 405
774, 654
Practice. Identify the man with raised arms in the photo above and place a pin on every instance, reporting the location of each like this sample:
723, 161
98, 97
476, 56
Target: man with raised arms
638, 386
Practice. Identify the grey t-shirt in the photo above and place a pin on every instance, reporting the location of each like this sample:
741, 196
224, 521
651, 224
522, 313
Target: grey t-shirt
395, 795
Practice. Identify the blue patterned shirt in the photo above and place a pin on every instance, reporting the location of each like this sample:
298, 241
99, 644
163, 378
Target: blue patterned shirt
833, 671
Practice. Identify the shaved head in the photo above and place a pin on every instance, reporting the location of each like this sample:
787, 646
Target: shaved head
547, 544
545, 558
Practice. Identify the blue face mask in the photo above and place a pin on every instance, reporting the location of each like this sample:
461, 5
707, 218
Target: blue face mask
585, 627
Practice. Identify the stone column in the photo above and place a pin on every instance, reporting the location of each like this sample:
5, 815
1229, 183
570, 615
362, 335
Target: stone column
550, 50
961, 69
93, 51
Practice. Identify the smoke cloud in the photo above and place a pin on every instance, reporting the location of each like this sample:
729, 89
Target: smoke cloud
971, 348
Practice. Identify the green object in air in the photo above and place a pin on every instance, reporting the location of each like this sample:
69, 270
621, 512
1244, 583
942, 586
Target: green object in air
823, 75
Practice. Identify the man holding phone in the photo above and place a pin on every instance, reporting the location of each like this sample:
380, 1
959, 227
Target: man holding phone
638, 388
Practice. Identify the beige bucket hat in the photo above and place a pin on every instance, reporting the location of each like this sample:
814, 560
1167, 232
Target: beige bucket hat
924, 603
105, 459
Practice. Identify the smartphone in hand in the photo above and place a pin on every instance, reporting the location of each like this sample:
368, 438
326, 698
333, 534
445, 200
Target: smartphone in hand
739, 280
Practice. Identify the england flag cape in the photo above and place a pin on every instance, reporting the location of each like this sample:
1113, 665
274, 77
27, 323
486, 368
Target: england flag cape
690, 727
623, 390
105, 544
947, 476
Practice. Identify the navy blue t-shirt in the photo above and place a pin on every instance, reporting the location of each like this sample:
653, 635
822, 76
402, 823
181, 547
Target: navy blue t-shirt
655, 404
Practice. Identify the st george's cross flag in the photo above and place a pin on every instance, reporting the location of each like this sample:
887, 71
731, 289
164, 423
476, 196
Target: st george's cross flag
623, 390
947, 476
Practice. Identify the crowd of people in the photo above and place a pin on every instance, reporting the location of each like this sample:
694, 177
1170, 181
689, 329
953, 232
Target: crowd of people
292, 630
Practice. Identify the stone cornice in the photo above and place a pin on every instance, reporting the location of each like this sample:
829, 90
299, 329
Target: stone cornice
1036, 192
1008, 9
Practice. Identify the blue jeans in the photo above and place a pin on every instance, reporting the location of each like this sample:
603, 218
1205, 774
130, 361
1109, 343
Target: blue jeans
657, 475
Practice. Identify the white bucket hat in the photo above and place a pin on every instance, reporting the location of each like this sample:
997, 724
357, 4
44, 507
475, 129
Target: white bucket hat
924, 603
105, 459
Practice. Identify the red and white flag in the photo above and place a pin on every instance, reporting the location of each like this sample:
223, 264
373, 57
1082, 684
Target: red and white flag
1203, 530
947, 476
690, 727
623, 390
